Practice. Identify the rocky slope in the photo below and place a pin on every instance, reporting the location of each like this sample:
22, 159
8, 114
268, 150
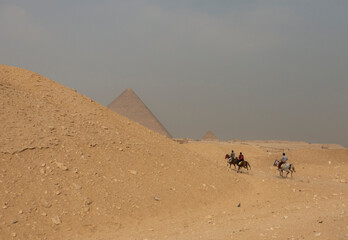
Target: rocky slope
72, 167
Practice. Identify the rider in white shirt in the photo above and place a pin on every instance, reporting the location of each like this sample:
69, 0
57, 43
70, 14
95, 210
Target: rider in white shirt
283, 160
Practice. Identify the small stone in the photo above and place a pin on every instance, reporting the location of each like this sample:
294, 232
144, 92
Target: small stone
238, 205
133, 172
62, 166
156, 198
317, 234
14, 234
88, 201
343, 181
20, 212
76, 186
45, 204
56, 220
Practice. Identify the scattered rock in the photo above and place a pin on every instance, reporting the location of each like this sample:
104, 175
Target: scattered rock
133, 172
56, 220
45, 203
62, 166
156, 198
76, 186
238, 205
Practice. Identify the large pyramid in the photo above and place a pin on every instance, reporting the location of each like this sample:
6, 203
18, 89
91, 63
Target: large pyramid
209, 136
130, 105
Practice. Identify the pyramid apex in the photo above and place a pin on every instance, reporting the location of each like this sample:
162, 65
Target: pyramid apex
131, 106
209, 136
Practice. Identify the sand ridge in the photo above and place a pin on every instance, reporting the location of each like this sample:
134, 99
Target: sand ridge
70, 165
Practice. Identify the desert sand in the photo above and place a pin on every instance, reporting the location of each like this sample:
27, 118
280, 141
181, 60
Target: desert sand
71, 168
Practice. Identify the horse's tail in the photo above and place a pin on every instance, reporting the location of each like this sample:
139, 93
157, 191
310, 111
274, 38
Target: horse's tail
248, 165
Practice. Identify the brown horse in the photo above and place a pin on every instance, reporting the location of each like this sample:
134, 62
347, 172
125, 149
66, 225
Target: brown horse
243, 164
231, 161
234, 161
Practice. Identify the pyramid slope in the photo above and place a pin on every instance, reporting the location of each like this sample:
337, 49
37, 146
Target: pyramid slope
209, 136
131, 106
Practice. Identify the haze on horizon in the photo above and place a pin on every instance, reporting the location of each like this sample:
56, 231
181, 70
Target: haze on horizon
242, 69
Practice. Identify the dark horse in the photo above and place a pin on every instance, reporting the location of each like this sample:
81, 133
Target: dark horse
231, 161
234, 161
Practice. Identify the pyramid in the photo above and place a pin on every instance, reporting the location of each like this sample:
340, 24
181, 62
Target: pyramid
130, 105
209, 136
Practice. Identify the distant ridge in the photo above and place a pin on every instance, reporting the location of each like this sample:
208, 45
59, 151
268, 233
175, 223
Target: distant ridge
130, 105
209, 136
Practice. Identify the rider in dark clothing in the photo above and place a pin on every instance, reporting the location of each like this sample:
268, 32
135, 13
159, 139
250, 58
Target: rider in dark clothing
240, 158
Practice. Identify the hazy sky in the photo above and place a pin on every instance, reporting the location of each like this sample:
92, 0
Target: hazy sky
243, 69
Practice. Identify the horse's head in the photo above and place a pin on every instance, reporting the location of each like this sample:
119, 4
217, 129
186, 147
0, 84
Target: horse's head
227, 156
276, 162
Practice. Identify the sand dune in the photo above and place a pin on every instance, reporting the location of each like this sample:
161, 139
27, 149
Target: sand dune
69, 164
73, 169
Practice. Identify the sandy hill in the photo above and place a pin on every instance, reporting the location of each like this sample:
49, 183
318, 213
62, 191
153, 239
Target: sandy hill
130, 105
209, 136
72, 168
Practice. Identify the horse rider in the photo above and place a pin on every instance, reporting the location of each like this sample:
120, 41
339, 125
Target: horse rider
240, 158
283, 160
232, 155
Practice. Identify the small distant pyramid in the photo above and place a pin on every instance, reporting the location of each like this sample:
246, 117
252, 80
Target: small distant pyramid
130, 105
209, 136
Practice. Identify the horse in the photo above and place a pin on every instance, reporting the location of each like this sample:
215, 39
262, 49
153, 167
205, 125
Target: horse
287, 167
231, 161
234, 161
243, 164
